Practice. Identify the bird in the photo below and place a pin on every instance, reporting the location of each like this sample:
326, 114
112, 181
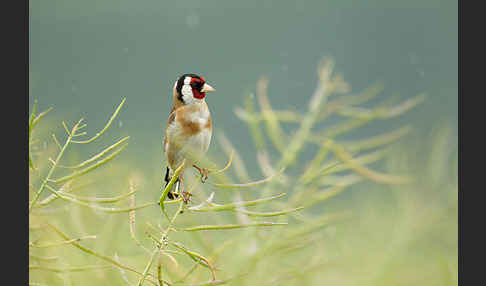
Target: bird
189, 129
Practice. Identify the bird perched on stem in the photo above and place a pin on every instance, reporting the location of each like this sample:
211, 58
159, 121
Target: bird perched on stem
189, 129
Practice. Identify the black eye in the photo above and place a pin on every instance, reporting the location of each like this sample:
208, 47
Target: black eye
197, 85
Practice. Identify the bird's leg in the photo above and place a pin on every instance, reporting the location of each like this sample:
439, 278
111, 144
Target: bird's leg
204, 172
186, 196
171, 195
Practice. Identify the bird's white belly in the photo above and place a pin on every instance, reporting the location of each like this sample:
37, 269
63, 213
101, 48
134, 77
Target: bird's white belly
193, 148
200, 142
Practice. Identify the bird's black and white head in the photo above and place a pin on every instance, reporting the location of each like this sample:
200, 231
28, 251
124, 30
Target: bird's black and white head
191, 88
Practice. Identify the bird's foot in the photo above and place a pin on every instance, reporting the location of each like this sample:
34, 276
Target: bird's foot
172, 195
186, 196
204, 172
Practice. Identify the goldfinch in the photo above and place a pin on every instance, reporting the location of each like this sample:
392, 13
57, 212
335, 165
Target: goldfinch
188, 132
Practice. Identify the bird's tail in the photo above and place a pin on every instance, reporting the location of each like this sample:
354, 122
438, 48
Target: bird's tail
171, 195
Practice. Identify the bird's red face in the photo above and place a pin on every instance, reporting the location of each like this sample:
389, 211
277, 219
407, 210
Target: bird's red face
192, 87
196, 85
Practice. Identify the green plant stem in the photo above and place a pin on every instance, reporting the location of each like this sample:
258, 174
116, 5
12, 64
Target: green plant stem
101, 256
269, 214
169, 187
68, 269
228, 207
104, 209
53, 167
147, 267
106, 126
232, 226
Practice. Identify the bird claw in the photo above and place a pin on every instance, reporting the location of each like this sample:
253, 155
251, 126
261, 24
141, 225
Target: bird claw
204, 175
172, 196
204, 172
186, 196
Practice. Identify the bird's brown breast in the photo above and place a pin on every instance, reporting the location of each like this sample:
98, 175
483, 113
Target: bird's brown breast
186, 121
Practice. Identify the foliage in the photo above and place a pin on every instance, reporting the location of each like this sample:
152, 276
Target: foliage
279, 230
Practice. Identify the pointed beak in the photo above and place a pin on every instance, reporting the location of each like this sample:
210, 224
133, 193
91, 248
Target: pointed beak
206, 88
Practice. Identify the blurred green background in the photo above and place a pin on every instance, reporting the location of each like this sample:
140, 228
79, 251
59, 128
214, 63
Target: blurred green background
85, 56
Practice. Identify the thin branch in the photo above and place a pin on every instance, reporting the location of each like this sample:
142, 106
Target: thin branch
270, 214
196, 257
246, 185
99, 155
228, 207
92, 206
90, 168
347, 159
275, 132
169, 186
103, 257
147, 268
68, 269
39, 117
232, 226
56, 141
105, 128
101, 200
66, 129
226, 167
54, 244
51, 171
